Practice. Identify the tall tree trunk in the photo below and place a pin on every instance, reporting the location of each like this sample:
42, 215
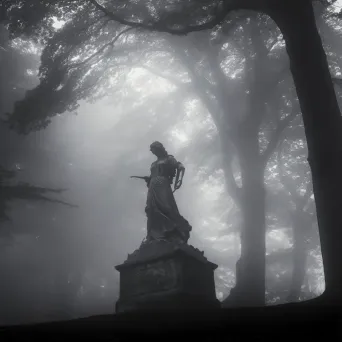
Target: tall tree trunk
250, 269
253, 238
321, 117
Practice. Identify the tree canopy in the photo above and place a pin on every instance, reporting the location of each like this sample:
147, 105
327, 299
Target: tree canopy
95, 46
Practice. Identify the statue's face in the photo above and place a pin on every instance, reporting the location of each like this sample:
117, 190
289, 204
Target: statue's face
155, 150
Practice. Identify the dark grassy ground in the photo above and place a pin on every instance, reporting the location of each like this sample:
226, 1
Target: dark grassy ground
292, 321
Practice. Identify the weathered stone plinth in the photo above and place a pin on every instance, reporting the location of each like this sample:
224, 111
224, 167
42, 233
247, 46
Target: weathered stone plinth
162, 276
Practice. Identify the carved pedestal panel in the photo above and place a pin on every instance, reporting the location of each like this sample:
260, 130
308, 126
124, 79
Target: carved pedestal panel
163, 276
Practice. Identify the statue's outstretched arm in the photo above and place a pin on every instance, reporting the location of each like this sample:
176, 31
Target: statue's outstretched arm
147, 179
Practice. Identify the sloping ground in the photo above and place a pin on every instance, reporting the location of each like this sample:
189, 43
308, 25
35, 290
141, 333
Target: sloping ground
290, 321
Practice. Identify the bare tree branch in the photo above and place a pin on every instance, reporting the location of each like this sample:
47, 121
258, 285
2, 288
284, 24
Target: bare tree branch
111, 43
160, 26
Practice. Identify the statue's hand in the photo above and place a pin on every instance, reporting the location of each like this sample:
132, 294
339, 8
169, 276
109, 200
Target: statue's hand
147, 180
178, 184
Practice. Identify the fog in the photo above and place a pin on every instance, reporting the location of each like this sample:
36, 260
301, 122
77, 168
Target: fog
57, 261
92, 155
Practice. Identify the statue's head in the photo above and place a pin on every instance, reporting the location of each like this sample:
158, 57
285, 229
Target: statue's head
158, 149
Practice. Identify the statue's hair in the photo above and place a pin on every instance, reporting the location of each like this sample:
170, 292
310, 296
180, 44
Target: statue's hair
160, 146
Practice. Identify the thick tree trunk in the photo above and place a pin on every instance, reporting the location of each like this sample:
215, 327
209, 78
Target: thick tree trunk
250, 269
321, 117
253, 249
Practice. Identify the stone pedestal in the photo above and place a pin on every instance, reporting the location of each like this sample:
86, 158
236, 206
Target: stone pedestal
162, 276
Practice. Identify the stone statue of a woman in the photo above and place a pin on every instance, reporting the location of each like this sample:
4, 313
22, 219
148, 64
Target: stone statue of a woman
164, 222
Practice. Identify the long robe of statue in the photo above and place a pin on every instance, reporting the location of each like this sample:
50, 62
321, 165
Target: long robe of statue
164, 222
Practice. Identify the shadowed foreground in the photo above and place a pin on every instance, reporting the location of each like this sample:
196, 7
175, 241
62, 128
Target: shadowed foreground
293, 320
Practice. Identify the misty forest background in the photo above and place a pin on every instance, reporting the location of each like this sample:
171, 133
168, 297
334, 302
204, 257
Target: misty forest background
69, 211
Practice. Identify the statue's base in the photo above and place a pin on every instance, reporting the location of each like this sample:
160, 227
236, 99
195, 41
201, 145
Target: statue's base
162, 276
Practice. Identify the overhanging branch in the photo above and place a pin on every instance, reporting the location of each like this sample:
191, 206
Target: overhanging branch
160, 26
111, 43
